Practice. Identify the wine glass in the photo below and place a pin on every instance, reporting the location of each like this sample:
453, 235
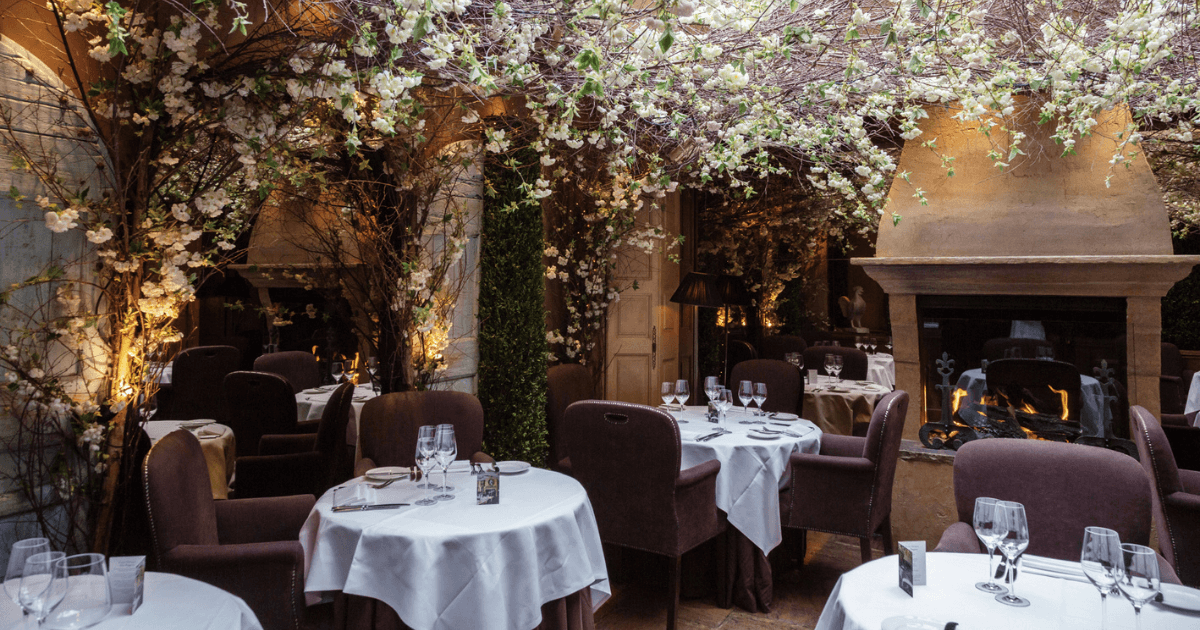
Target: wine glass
668, 393
711, 387
985, 529
336, 371
43, 584
1102, 563
1014, 539
838, 362
447, 449
829, 365
1139, 581
760, 396
745, 394
887, 345
682, 392
21, 551
872, 345
725, 401
87, 599
860, 344
426, 431
372, 368
425, 459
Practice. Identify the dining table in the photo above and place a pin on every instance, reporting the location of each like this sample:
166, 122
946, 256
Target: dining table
870, 598
216, 441
310, 404
754, 465
457, 564
169, 602
835, 405
881, 370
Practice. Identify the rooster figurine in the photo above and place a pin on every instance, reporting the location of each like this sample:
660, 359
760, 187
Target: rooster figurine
853, 309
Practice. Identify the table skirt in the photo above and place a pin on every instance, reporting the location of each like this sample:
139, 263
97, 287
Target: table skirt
354, 612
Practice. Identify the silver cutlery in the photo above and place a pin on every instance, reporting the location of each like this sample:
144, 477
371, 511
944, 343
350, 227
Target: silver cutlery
363, 508
713, 436
778, 432
387, 483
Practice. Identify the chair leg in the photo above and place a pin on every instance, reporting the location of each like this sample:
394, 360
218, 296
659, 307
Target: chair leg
889, 545
865, 544
673, 595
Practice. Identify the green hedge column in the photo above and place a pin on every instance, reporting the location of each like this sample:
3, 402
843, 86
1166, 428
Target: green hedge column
512, 328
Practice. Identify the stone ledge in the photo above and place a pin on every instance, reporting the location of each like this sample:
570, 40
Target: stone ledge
912, 450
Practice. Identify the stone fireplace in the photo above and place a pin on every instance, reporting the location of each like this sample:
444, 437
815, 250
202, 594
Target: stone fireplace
1047, 235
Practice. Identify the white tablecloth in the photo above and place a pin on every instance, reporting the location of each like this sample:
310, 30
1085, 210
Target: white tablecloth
881, 369
1193, 399
171, 602
460, 565
752, 470
1091, 399
864, 597
310, 404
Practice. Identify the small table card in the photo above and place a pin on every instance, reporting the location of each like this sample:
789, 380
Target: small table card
487, 486
126, 579
912, 565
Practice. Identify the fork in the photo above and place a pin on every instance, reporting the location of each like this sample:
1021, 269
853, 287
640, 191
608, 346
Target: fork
385, 484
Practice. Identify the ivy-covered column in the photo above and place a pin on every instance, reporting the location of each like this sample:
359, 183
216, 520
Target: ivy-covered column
512, 329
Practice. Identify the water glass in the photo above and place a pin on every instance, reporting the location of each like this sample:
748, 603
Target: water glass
985, 529
21, 551
838, 362
712, 386
682, 392
87, 599
829, 361
336, 371
1102, 563
43, 584
725, 401
746, 394
1014, 539
668, 393
446, 450
427, 431
1139, 581
425, 456
796, 359
760, 396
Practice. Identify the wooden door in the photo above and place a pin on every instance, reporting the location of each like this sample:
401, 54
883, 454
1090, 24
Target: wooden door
643, 326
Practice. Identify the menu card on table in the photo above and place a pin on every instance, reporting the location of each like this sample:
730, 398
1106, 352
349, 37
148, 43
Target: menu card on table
912, 565
126, 579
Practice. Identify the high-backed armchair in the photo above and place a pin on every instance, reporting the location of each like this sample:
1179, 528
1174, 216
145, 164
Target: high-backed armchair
299, 368
785, 384
567, 383
854, 361
258, 404
196, 380
1175, 497
390, 424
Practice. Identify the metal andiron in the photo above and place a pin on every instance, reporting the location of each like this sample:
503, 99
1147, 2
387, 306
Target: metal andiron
946, 433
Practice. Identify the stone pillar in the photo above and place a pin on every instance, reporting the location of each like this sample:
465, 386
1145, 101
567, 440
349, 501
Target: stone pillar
906, 349
1143, 334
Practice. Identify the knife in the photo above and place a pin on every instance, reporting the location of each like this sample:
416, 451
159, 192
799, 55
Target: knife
363, 508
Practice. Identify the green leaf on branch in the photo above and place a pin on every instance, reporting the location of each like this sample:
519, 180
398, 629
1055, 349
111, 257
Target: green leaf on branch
421, 28
666, 40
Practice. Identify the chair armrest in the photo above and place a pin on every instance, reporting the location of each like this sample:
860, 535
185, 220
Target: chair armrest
279, 475
1174, 420
363, 465
806, 463
697, 474
262, 520
564, 466
828, 493
959, 538
842, 445
1183, 501
308, 426
1190, 480
283, 444
1185, 445
269, 576
482, 458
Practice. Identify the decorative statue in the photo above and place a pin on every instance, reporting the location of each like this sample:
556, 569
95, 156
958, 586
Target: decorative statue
853, 309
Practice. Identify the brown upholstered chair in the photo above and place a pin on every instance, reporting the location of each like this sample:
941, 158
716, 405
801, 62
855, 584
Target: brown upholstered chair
567, 383
197, 375
846, 488
299, 368
1034, 381
854, 361
739, 350
390, 423
1175, 496
1015, 348
785, 385
778, 346
258, 404
249, 547
1185, 444
627, 457
1173, 383
305, 463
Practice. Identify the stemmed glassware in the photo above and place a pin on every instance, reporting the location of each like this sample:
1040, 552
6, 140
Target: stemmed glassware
1139, 581
427, 431
682, 392
796, 359
725, 401
985, 529
22, 550
860, 343
711, 387
372, 368
887, 345
447, 449
829, 360
87, 598
746, 394
668, 393
872, 345
336, 371
837, 368
426, 450
1014, 539
43, 584
760, 397
1102, 563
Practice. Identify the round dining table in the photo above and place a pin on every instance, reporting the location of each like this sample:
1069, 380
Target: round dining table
457, 564
866, 596
216, 441
835, 406
169, 602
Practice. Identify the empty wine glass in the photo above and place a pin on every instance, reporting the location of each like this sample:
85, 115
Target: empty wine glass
760, 396
42, 584
1139, 581
711, 387
1102, 563
447, 449
426, 431
426, 450
887, 345
1014, 539
725, 401
745, 394
985, 529
22, 550
87, 599
829, 365
682, 392
372, 368
860, 343
872, 345
336, 371
668, 393
838, 362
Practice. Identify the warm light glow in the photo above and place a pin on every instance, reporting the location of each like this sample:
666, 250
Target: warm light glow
1062, 394
958, 396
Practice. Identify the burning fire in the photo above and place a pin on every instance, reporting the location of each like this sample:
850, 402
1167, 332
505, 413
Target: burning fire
999, 400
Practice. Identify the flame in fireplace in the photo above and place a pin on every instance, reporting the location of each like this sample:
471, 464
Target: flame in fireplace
961, 401
1062, 394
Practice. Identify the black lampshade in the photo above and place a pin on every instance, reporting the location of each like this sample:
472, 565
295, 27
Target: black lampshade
698, 289
733, 291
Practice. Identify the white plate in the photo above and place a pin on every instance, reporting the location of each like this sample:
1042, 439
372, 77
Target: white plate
908, 622
195, 424
785, 417
1180, 597
762, 436
387, 473
512, 468
837, 390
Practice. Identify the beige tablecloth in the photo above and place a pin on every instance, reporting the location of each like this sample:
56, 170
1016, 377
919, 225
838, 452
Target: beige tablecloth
220, 451
837, 411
